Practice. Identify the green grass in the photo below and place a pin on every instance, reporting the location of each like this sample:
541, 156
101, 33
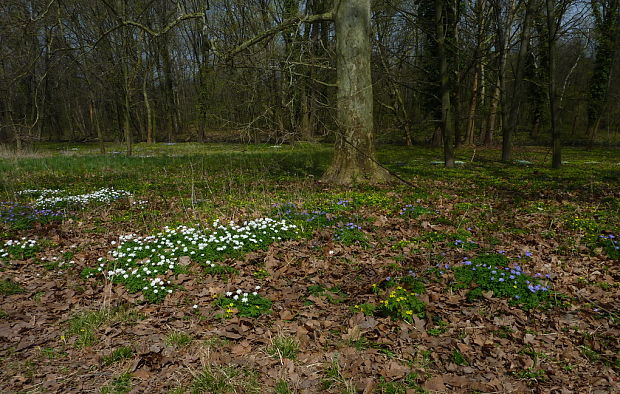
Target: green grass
225, 379
333, 378
120, 385
10, 287
334, 295
284, 346
282, 387
83, 326
531, 374
406, 385
179, 339
52, 353
458, 358
122, 353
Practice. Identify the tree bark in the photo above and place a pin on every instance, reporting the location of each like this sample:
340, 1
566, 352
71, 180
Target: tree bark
354, 157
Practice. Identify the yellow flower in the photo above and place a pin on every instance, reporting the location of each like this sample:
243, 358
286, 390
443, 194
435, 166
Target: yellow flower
230, 310
409, 312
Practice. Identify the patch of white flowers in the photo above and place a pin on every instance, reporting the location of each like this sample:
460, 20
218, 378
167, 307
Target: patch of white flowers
147, 263
39, 192
241, 295
21, 248
140, 204
50, 199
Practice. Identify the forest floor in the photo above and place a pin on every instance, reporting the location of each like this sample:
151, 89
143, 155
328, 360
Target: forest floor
485, 278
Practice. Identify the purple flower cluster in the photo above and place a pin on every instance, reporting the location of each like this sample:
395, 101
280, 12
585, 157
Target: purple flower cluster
536, 288
14, 213
612, 239
352, 226
286, 208
314, 215
343, 203
405, 209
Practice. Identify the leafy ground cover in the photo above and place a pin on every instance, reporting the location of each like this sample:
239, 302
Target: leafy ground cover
485, 278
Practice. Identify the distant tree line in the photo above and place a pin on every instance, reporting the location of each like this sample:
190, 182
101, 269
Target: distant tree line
444, 72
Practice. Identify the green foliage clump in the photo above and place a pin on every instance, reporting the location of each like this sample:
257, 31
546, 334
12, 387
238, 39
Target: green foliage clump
413, 211
244, 304
582, 225
401, 304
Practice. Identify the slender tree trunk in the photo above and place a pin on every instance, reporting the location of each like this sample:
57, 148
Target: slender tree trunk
492, 119
354, 157
473, 104
447, 124
483, 101
511, 125
149, 112
556, 147
126, 109
94, 121
305, 121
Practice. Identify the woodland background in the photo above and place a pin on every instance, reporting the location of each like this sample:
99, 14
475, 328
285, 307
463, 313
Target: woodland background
68, 73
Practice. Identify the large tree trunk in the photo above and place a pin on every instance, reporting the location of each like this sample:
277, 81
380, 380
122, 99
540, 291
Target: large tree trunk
354, 156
